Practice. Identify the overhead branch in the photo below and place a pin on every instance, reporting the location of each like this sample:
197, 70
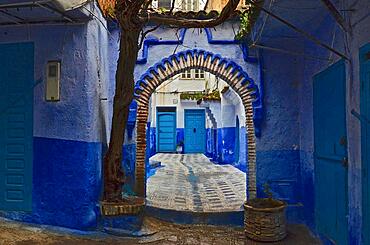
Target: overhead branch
145, 33
183, 22
336, 15
147, 4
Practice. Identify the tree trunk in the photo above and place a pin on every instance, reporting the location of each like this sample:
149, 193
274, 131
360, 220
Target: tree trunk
113, 173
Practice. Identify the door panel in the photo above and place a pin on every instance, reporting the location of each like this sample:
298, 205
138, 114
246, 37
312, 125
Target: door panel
195, 131
166, 131
331, 153
16, 126
365, 138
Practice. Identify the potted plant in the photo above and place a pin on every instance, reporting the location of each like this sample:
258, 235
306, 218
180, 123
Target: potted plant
265, 219
179, 147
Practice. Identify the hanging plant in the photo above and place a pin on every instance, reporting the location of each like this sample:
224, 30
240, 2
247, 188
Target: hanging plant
248, 18
214, 95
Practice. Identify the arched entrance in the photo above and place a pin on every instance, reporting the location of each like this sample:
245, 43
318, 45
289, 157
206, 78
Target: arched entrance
223, 68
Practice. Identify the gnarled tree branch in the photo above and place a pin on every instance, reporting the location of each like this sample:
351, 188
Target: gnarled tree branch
182, 22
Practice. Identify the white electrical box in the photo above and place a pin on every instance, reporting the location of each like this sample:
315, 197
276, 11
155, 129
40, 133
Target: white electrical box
53, 81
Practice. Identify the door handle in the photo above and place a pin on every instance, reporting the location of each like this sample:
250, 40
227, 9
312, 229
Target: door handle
194, 130
335, 158
343, 141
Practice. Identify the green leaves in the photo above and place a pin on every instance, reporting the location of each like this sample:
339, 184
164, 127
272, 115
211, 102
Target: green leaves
247, 19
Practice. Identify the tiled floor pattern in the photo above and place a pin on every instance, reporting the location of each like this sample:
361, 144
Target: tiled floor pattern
191, 182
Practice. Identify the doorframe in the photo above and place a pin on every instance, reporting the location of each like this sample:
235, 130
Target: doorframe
205, 136
365, 163
157, 125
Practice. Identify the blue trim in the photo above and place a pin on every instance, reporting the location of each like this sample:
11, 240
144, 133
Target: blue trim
220, 41
364, 78
131, 121
244, 77
154, 41
259, 110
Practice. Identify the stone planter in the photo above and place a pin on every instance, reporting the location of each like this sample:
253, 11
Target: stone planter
265, 219
128, 206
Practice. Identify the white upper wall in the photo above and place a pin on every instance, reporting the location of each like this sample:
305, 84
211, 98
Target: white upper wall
180, 5
168, 95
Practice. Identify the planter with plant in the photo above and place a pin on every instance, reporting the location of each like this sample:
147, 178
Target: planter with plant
265, 218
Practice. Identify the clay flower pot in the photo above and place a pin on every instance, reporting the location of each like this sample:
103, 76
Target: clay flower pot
265, 219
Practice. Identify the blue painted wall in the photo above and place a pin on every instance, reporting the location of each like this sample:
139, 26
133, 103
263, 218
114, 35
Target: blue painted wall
311, 67
66, 184
69, 135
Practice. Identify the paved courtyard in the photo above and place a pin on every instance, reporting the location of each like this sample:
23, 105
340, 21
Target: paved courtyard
14, 233
191, 182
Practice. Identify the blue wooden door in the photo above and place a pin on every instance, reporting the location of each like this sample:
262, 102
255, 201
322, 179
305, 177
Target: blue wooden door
166, 131
365, 138
195, 131
330, 147
16, 125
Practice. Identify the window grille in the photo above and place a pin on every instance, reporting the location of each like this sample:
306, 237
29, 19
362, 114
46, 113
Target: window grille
186, 75
164, 4
198, 74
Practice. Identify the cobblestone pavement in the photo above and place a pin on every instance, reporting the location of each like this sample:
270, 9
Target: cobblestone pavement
13, 233
191, 182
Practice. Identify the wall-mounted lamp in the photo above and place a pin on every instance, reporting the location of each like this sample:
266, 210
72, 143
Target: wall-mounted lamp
53, 81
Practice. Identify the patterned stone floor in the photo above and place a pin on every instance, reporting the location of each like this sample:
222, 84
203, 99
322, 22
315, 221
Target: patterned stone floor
191, 182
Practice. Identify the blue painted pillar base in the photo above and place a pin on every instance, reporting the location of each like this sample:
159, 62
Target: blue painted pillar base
125, 224
235, 218
128, 165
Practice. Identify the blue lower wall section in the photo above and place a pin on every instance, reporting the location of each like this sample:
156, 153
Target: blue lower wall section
151, 147
180, 137
66, 184
227, 148
128, 165
211, 144
183, 217
281, 171
307, 188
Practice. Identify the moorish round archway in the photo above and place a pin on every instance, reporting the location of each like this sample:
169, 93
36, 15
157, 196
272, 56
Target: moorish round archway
223, 68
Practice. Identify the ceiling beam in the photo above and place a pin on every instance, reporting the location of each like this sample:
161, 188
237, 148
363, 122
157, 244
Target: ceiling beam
337, 16
22, 4
300, 31
12, 17
54, 10
42, 23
